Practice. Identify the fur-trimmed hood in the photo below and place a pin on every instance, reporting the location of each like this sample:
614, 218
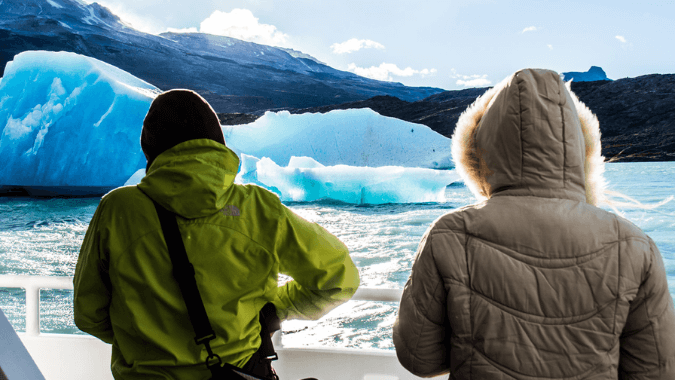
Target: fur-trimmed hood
530, 135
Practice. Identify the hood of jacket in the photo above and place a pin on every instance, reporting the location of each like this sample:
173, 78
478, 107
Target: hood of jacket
530, 135
192, 178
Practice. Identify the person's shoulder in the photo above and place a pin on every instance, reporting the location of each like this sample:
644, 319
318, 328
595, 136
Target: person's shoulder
454, 221
259, 192
260, 198
627, 230
122, 194
123, 198
636, 247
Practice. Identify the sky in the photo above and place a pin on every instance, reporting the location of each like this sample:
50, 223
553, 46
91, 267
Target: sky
446, 43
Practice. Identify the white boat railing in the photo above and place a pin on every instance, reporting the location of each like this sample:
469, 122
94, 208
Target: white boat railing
33, 284
80, 357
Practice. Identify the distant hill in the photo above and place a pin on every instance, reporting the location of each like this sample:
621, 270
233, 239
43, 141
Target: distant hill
233, 75
595, 73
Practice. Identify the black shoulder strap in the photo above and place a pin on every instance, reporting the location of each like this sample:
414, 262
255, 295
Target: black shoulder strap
184, 273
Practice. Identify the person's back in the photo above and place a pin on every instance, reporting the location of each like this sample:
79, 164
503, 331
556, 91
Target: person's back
238, 238
535, 282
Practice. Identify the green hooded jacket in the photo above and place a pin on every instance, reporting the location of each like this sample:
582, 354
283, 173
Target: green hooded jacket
238, 238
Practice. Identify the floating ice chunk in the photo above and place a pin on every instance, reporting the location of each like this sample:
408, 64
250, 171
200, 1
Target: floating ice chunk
304, 163
70, 121
355, 137
306, 180
248, 171
247, 164
136, 178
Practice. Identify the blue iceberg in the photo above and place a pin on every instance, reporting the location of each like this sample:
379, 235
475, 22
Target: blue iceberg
69, 124
354, 137
306, 180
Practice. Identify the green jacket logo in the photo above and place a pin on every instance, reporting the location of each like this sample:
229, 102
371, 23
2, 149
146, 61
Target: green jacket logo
230, 210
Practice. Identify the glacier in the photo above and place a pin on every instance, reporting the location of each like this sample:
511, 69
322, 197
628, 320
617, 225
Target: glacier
70, 125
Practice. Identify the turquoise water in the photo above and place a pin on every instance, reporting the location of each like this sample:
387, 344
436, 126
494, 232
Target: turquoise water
42, 237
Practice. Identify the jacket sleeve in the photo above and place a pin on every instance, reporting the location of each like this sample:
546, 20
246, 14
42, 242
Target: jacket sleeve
421, 327
648, 338
324, 275
92, 288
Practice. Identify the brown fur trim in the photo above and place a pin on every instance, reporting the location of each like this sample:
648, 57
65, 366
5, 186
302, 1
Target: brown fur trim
594, 163
465, 154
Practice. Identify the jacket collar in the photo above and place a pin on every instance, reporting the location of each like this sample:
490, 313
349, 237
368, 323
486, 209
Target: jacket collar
192, 178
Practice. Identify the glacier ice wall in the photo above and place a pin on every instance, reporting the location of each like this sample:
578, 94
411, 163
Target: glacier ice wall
70, 121
355, 137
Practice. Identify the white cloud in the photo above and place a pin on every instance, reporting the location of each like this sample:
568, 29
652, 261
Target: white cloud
385, 71
241, 24
550, 47
470, 80
353, 45
129, 18
621, 39
425, 72
530, 29
478, 82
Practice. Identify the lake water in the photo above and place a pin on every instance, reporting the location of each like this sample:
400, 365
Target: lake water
43, 236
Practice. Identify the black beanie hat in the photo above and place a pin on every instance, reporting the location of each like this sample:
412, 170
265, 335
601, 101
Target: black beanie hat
177, 116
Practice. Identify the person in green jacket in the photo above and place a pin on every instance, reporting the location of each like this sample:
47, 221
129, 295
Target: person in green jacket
237, 237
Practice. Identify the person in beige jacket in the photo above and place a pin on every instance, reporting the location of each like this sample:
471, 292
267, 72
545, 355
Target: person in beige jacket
535, 282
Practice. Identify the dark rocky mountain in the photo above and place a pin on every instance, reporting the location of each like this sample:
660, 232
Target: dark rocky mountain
595, 73
637, 115
233, 75
236, 118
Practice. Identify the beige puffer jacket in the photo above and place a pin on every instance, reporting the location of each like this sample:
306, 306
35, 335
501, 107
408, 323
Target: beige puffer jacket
535, 282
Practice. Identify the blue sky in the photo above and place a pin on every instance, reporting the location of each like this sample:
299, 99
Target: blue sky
446, 44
